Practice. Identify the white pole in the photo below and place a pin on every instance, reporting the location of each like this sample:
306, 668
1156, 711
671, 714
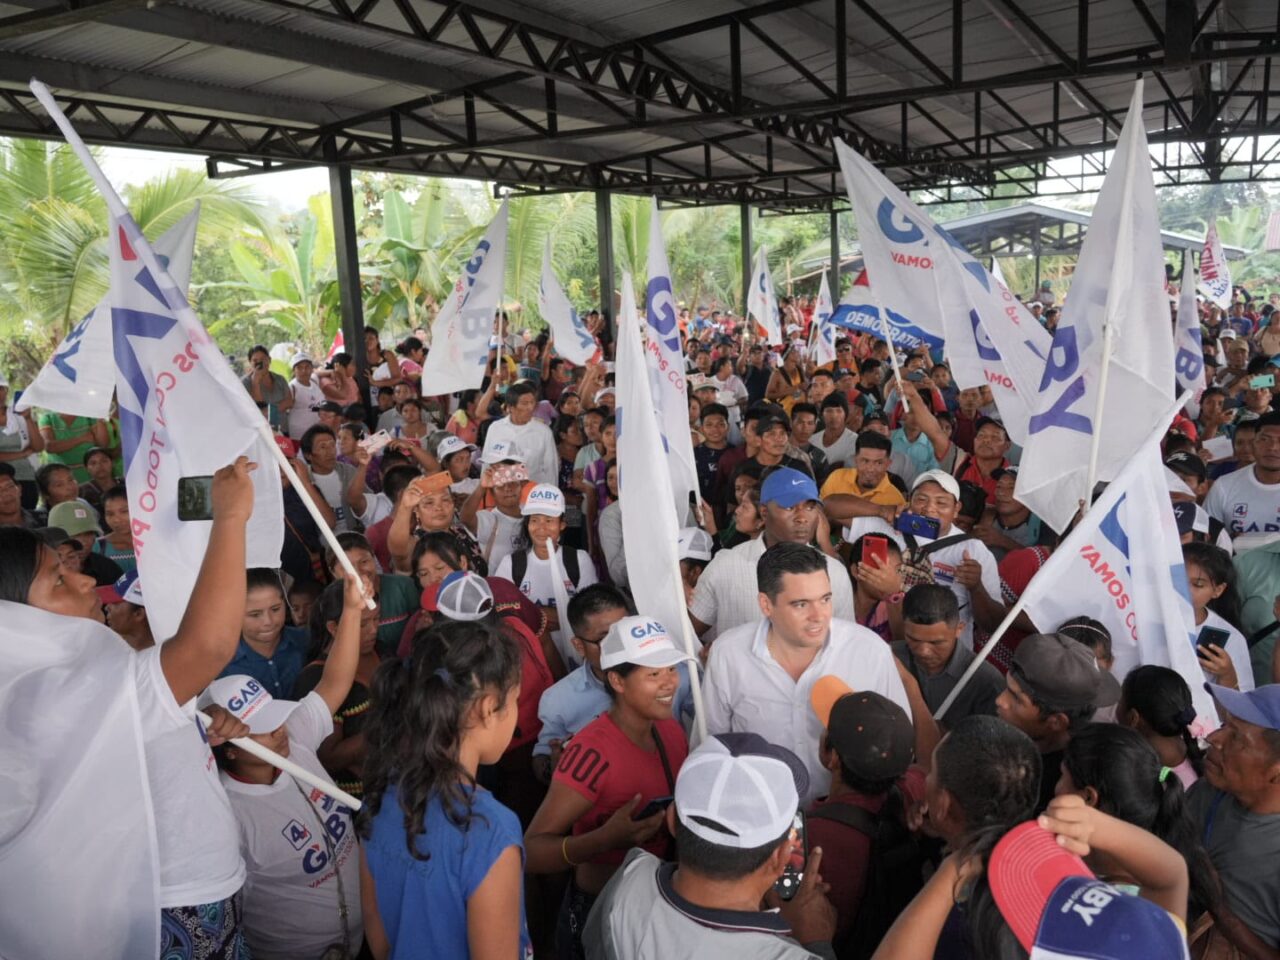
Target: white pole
289, 767
497, 363
695, 679
1162, 424
1096, 440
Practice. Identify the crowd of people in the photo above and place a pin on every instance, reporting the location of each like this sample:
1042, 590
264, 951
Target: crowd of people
526, 744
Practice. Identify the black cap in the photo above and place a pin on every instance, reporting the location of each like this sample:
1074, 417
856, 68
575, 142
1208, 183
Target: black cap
1062, 673
989, 421
1184, 462
1000, 472
871, 734
771, 420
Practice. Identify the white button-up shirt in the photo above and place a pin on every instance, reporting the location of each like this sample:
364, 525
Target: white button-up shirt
747, 691
727, 596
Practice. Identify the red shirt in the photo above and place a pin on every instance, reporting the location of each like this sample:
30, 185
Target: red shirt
846, 851
970, 471
601, 763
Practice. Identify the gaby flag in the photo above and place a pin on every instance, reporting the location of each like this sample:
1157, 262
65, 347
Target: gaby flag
460, 334
664, 358
761, 303
922, 274
76, 824
1122, 564
573, 340
1215, 276
76, 380
1119, 282
183, 412
1188, 364
822, 338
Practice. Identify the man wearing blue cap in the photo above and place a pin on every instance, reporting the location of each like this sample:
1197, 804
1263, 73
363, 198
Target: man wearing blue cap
1237, 809
726, 595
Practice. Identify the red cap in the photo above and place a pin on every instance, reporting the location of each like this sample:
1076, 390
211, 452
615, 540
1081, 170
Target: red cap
1026, 867
288, 446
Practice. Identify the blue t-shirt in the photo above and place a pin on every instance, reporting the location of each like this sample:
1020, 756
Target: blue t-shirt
279, 673
423, 903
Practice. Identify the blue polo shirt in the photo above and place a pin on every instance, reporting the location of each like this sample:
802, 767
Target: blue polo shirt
919, 451
279, 673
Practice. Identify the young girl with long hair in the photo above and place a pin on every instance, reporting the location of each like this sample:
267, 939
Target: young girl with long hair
1156, 702
1212, 580
442, 862
270, 651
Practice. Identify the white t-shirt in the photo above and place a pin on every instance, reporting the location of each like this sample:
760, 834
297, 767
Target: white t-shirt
535, 442
301, 417
840, 453
195, 828
1237, 648
377, 506
537, 584
494, 526
291, 891
1244, 505
330, 486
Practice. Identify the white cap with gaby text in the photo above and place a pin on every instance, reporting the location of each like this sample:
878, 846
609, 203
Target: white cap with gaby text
543, 500
248, 701
943, 479
640, 640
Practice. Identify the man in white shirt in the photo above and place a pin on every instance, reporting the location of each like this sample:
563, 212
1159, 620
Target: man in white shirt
530, 435
835, 440
759, 675
726, 595
1248, 500
306, 394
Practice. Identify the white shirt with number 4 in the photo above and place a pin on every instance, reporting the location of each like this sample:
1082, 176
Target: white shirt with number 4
291, 894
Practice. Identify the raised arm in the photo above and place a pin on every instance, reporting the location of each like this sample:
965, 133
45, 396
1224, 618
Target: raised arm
344, 656
400, 534
210, 630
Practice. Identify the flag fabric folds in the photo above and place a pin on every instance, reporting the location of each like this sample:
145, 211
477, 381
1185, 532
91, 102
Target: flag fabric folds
80, 379
650, 529
459, 348
1123, 565
761, 302
924, 279
858, 313
664, 358
1215, 276
573, 340
822, 338
1188, 364
1119, 282
77, 831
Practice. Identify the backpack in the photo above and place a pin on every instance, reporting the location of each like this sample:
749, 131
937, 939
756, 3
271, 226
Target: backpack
916, 568
895, 873
520, 563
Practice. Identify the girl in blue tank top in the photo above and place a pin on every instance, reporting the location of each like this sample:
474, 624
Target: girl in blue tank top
443, 861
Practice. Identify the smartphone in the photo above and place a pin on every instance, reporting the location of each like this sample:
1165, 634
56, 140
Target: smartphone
788, 884
656, 805
374, 444
195, 498
1267, 380
1213, 636
875, 546
918, 526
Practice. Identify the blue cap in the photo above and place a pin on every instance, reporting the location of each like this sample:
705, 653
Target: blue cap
1261, 707
787, 487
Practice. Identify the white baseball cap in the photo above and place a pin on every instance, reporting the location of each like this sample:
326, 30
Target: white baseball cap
300, 358
450, 445
464, 595
248, 701
640, 640
738, 790
943, 479
542, 500
605, 392
498, 450
694, 543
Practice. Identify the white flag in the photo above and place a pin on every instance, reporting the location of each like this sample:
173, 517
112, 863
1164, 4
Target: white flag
1215, 276
664, 359
76, 824
461, 331
650, 529
822, 338
1122, 564
80, 378
573, 340
761, 303
923, 278
998, 273
1119, 280
1189, 362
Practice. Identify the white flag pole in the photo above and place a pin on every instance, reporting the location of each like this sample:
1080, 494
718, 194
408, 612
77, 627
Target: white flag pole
288, 766
1095, 441
1154, 437
118, 209
561, 636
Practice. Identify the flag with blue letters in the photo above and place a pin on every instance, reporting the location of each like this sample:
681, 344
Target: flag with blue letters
761, 302
80, 378
856, 312
1188, 364
664, 358
929, 285
1119, 280
459, 349
1122, 565
573, 340
822, 338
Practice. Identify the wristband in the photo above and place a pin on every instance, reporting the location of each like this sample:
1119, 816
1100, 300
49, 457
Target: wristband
564, 851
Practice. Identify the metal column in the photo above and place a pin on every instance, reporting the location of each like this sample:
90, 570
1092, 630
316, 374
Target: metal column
347, 254
746, 255
834, 278
604, 251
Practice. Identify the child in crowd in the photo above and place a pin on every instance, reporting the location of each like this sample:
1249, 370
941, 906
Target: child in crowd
1156, 702
117, 545
1222, 648
270, 651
